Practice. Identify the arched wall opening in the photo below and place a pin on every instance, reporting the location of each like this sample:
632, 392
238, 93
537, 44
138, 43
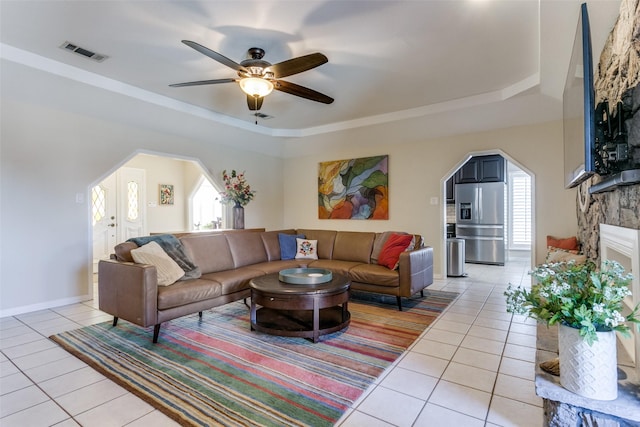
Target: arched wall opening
445, 214
163, 171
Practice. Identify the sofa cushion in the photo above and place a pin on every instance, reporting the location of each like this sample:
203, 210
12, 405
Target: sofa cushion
288, 245
234, 280
306, 249
325, 238
277, 266
335, 265
375, 275
186, 292
211, 252
271, 243
353, 246
394, 246
168, 270
246, 248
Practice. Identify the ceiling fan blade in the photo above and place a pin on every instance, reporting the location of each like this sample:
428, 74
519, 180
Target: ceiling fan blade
297, 65
301, 91
254, 103
215, 55
203, 82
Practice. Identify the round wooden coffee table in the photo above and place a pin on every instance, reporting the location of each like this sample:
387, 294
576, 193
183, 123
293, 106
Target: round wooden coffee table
295, 310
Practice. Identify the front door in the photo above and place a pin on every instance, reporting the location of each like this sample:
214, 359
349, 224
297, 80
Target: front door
103, 218
118, 211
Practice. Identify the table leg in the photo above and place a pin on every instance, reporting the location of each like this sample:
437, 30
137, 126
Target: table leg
252, 318
316, 320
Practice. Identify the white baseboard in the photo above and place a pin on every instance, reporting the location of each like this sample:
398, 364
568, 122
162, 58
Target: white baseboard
43, 305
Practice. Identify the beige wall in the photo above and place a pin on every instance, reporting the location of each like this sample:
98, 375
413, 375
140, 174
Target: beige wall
417, 171
49, 160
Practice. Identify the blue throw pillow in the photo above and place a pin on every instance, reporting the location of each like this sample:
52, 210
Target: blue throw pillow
288, 245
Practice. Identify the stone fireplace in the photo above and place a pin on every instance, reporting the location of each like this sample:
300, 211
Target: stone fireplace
622, 244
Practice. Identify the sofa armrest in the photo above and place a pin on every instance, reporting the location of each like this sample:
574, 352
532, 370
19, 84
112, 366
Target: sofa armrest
415, 270
129, 291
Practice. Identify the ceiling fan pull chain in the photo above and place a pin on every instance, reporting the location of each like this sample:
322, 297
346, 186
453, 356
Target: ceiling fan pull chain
256, 113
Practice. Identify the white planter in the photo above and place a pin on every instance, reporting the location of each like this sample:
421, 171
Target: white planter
589, 371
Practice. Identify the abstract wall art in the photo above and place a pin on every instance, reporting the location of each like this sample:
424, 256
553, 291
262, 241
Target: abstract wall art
354, 189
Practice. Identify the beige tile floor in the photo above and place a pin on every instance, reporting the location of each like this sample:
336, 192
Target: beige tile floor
472, 367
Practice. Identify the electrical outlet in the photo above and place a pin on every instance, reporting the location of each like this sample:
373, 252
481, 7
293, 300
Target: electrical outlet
79, 198
434, 200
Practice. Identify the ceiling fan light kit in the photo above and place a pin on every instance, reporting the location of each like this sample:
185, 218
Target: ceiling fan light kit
256, 86
258, 78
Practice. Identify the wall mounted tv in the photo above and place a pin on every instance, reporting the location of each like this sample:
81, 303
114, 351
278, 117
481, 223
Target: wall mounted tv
579, 108
594, 141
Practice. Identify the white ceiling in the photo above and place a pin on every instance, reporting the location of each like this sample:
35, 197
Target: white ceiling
503, 62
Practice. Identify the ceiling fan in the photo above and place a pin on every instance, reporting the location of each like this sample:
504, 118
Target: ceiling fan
257, 77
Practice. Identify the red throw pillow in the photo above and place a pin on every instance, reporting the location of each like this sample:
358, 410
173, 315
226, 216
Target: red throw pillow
393, 247
569, 243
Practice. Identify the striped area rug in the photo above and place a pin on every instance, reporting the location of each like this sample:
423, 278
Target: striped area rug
215, 371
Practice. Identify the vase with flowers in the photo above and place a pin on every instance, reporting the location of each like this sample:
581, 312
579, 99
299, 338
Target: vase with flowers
238, 192
587, 304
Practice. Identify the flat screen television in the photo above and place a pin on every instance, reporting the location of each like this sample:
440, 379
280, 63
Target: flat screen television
579, 108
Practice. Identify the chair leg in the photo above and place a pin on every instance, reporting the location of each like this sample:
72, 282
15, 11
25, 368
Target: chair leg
115, 320
156, 332
422, 293
245, 302
200, 314
399, 299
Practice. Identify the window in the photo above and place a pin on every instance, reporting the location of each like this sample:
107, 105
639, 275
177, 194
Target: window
206, 208
98, 204
132, 200
520, 198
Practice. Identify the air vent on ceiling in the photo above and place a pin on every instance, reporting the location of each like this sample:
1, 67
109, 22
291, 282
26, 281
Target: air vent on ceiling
262, 116
71, 47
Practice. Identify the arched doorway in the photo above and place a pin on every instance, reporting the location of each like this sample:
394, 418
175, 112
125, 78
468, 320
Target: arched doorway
520, 225
182, 176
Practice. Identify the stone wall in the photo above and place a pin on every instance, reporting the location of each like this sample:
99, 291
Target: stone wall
619, 66
617, 79
619, 207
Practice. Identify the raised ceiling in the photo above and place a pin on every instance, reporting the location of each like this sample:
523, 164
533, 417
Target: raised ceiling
388, 60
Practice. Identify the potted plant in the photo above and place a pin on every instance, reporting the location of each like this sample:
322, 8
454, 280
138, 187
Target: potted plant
587, 304
238, 192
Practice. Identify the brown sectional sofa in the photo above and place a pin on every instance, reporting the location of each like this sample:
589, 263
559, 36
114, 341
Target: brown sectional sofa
229, 260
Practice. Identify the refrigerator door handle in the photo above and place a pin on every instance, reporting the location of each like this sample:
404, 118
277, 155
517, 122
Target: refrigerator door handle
480, 238
480, 217
478, 226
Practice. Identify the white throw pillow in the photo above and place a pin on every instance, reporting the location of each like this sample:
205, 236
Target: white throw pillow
560, 255
151, 253
306, 249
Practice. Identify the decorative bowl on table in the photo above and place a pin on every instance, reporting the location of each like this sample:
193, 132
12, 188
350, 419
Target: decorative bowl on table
305, 276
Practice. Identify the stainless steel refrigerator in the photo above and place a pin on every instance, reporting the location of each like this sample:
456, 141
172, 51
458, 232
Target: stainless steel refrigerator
480, 221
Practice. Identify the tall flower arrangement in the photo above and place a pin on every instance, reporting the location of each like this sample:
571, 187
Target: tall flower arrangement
236, 189
576, 295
